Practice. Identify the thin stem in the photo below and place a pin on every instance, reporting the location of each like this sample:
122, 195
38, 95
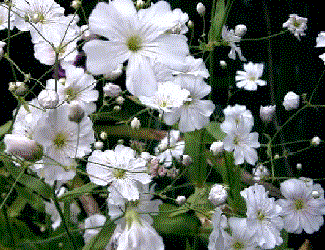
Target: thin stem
264, 38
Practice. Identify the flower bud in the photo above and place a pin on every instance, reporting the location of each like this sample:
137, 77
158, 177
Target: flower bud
76, 112
190, 24
267, 112
315, 141
76, 4
260, 172
291, 101
200, 8
103, 135
99, 145
218, 194
180, 200
48, 99
18, 88
120, 100
240, 30
299, 166
139, 4
112, 90
117, 108
223, 64
187, 160
216, 147
23, 147
2, 44
135, 123
62, 81
115, 73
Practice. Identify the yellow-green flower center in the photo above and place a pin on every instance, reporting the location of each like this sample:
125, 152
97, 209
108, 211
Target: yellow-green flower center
60, 140
299, 204
37, 17
134, 43
260, 216
119, 173
70, 93
238, 245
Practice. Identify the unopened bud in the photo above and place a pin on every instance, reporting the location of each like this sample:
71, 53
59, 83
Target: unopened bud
299, 166
62, 81
315, 141
76, 4
218, 194
103, 135
180, 200
276, 156
267, 112
48, 99
23, 147
223, 64
76, 112
139, 4
2, 44
216, 147
120, 100
135, 123
187, 160
112, 90
291, 101
190, 24
120, 141
99, 145
240, 30
18, 88
115, 73
200, 8
117, 108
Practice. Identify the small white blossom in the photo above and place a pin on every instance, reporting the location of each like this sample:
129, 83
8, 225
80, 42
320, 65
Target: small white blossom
216, 147
48, 99
231, 39
180, 200
291, 101
120, 100
200, 8
103, 135
18, 88
250, 78
135, 123
267, 112
76, 4
99, 145
299, 166
240, 30
218, 194
296, 25
260, 172
315, 141
112, 90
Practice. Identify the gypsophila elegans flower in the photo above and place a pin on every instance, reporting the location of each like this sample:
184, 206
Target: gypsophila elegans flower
296, 25
291, 101
250, 78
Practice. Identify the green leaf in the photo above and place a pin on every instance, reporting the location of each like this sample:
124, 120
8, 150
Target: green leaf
75, 193
214, 129
181, 210
194, 147
17, 206
183, 224
31, 198
217, 21
101, 240
4, 129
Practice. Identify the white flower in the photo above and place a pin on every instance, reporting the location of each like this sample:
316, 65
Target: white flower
77, 86
291, 101
218, 194
4, 17
236, 116
200, 8
170, 147
315, 141
41, 18
120, 169
231, 39
300, 210
260, 172
23, 147
139, 234
180, 26
250, 78
169, 95
320, 39
135, 123
99, 145
263, 216
112, 90
216, 147
180, 200
240, 30
242, 237
48, 99
216, 238
63, 141
194, 113
267, 112
296, 25
134, 36
96, 220
193, 66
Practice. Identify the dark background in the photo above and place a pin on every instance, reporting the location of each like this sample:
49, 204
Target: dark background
294, 66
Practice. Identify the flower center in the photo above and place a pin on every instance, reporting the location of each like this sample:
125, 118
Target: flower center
252, 78
238, 245
60, 140
299, 204
36, 17
134, 43
296, 24
260, 216
119, 173
236, 140
70, 93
